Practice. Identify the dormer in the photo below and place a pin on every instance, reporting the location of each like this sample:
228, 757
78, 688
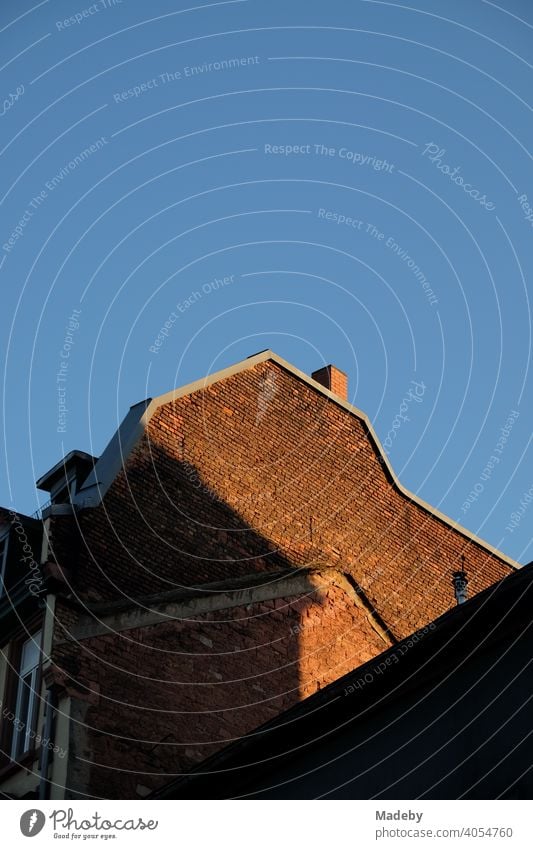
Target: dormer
65, 478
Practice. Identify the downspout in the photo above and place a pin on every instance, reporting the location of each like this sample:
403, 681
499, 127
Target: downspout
48, 742
56, 578
51, 701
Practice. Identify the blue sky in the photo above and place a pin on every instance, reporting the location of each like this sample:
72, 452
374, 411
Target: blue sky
360, 174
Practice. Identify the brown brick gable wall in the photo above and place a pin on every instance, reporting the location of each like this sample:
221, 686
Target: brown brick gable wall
229, 481
257, 473
161, 699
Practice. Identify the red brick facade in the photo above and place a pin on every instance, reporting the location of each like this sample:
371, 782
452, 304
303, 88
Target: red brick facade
161, 699
257, 473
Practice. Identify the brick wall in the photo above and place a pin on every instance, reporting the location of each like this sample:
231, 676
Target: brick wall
158, 700
257, 473
235, 479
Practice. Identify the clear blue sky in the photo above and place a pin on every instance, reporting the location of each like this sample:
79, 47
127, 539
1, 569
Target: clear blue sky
168, 145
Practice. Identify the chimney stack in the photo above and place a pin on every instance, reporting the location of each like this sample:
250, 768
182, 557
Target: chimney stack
333, 379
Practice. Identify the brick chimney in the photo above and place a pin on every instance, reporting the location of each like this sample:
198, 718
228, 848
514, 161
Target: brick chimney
333, 379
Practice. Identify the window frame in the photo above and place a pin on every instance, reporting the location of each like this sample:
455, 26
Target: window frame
11, 753
31, 710
65, 492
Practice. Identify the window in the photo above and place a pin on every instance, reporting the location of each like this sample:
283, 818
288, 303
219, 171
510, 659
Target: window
26, 699
66, 491
4, 540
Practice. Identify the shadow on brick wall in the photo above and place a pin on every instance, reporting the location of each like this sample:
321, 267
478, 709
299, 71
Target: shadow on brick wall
149, 703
